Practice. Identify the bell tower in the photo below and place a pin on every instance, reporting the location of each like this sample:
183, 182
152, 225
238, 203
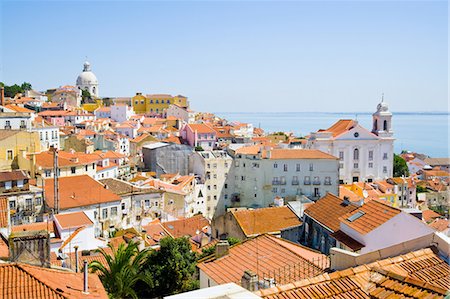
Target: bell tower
382, 120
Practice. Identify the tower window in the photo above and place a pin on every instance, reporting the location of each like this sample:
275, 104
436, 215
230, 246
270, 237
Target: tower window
375, 125
385, 127
355, 154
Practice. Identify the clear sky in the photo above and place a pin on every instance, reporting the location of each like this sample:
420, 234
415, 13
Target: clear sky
237, 56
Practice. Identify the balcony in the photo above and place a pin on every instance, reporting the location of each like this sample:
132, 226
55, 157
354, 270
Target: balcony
7, 127
276, 182
307, 182
316, 183
294, 183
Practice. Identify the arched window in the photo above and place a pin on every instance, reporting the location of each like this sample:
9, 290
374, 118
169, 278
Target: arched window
322, 244
385, 128
93, 90
375, 125
356, 154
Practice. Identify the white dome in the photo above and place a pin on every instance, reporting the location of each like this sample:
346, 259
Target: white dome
87, 78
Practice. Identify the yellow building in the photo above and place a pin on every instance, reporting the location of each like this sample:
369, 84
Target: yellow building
156, 103
12, 143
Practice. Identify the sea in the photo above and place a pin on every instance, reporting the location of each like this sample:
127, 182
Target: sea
426, 133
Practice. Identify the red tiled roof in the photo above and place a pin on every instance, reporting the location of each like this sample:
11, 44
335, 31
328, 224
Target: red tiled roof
341, 126
327, 211
201, 128
73, 220
78, 191
263, 254
26, 281
429, 215
374, 213
265, 220
13, 175
48, 226
420, 274
440, 225
186, 227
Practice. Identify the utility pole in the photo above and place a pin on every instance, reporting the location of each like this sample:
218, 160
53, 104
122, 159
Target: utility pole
55, 179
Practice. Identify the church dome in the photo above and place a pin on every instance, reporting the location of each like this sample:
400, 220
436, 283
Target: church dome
87, 77
383, 106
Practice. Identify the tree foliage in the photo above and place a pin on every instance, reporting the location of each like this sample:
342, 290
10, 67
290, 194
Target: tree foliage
172, 269
400, 166
11, 91
210, 250
85, 96
123, 271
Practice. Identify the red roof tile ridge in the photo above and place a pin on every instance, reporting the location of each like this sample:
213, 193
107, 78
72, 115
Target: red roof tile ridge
70, 238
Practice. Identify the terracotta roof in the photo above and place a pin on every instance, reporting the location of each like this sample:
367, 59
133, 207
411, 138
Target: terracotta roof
73, 220
440, 225
299, 154
4, 212
18, 108
13, 175
437, 161
172, 139
186, 227
249, 150
347, 240
327, 211
78, 191
201, 128
70, 261
48, 226
344, 192
4, 248
420, 274
341, 126
267, 256
370, 216
26, 281
155, 231
266, 220
120, 187
429, 215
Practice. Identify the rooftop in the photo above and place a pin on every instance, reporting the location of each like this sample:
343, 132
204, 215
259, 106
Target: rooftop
73, 220
186, 227
327, 211
266, 220
299, 154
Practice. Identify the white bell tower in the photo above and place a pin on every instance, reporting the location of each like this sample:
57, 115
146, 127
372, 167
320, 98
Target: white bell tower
382, 120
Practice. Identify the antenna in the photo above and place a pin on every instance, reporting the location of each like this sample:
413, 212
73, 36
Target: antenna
55, 179
382, 97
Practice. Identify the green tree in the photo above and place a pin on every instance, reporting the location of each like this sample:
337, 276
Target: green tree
85, 96
400, 166
172, 268
210, 250
123, 271
11, 91
421, 189
26, 86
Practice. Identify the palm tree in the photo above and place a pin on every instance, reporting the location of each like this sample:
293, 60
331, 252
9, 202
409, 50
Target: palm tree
123, 270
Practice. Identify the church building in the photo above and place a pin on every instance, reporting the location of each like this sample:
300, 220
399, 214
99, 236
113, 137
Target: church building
364, 156
88, 81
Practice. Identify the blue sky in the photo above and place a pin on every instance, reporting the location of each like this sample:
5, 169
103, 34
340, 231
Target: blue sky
237, 56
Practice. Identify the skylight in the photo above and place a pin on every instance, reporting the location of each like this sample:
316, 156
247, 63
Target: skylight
355, 216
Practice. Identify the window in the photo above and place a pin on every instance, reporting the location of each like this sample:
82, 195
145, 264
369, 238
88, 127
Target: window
316, 192
226, 186
28, 203
285, 167
209, 165
8, 185
113, 211
275, 165
341, 156
8, 125
356, 154
38, 201
316, 180
370, 165
225, 196
275, 181
297, 167
385, 125
243, 178
86, 168
73, 170
157, 101
341, 165
208, 198
93, 165
385, 156
151, 101
355, 165
215, 165
215, 176
236, 163
274, 189
123, 206
295, 180
40, 136
215, 187
283, 180
384, 169
9, 154
12, 204
215, 197
105, 213
142, 102
311, 167
47, 173
146, 203
307, 180
20, 183
208, 187
46, 135
370, 155
327, 180
22, 124
283, 190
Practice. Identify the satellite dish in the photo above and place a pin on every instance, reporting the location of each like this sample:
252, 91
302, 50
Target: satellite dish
365, 193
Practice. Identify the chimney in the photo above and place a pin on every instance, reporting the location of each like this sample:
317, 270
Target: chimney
76, 258
2, 96
85, 278
222, 248
249, 281
346, 201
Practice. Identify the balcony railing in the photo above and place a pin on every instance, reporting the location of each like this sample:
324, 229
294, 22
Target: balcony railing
307, 182
295, 182
316, 183
276, 182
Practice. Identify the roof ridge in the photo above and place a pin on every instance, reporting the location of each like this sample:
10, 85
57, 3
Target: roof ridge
39, 280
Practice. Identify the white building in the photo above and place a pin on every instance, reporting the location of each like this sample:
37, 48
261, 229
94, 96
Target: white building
121, 112
364, 155
48, 135
88, 81
15, 120
185, 114
261, 175
212, 168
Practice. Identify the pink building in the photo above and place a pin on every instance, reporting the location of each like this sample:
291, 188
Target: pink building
200, 135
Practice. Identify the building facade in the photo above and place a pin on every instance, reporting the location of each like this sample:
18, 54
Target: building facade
364, 155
